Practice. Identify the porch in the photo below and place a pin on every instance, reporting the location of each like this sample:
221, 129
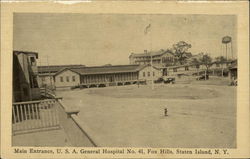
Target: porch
114, 83
48, 123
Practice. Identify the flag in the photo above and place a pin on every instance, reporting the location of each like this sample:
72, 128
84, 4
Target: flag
147, 29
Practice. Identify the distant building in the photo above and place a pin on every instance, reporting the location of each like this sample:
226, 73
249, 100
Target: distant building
187, 69
102, 76
159, 58
191, 57
149, 73
233, 71
67, 78
25, 74
220, 65
215, 68
46, 74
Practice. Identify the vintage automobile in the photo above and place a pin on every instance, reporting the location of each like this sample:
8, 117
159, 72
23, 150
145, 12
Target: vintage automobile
202, 77
165, 80
159, 80
170, 80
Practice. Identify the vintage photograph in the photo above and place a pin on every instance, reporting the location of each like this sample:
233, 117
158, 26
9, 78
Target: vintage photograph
124, 80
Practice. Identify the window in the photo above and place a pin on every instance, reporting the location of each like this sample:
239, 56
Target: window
61, 79
197, 66
144, 74
175, 69
25, 91
32, 61
217, 65
148, 74
73, 78
153, 73
67, 78
186, 68
35, 84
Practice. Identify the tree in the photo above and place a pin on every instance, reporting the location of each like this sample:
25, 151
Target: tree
196, 62
180, 51
220, 59
206, 60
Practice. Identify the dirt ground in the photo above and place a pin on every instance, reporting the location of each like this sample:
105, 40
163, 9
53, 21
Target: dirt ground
199, 116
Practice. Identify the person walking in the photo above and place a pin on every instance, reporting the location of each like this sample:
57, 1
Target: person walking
166, 111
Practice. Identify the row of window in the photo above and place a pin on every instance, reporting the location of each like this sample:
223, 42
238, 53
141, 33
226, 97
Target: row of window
144, 74
218, 65
67, 79
147, 62
186, 68
149, 57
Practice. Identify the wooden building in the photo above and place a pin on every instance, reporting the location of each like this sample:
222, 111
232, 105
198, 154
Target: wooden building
46, 74
103, 76
148, 73
25, 85
233, 71
66, 78
183, 70
159, 58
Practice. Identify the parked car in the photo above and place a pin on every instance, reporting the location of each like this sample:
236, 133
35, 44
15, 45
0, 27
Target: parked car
159, 80
202, 77
170, 80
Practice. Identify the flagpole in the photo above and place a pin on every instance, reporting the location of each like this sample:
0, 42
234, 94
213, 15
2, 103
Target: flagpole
146, 32
152, 78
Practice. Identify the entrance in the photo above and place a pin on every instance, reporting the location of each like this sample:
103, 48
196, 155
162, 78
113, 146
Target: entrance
111, 78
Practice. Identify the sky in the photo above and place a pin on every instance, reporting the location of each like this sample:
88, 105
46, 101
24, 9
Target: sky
99, 39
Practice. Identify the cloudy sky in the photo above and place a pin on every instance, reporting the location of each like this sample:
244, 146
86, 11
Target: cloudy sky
98, 39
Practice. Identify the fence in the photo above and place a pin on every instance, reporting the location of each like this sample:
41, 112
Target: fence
34, 115
47, 92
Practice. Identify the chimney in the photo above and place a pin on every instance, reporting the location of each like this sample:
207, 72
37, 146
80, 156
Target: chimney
145, 51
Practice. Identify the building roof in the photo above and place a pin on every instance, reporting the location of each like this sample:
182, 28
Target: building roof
178, 66
106, 69
56, 68
223, 62
234, 65
150, 53
46, 74
25, 52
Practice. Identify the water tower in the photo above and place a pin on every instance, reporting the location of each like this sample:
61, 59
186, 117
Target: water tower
227, 47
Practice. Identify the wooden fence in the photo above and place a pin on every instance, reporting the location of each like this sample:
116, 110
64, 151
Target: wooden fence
34, 115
